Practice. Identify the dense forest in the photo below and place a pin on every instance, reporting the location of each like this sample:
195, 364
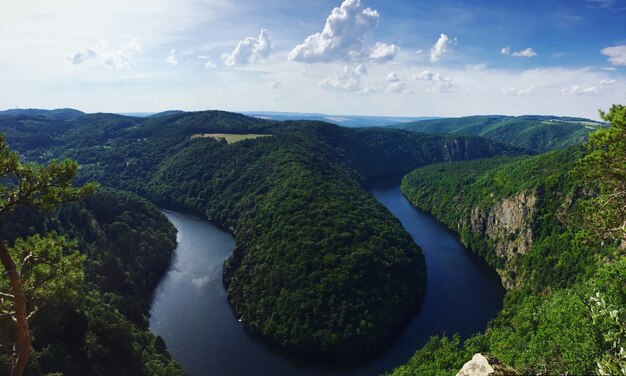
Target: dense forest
536, 133
562, 263
96, 325
320, 268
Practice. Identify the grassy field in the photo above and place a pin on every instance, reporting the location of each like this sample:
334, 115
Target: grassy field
230, 138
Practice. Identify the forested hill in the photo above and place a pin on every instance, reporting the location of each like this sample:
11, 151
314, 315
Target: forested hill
95, 324
58, 114
533, 132
552, 225
320, 267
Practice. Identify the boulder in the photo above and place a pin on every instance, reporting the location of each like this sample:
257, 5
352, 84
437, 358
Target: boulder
486, 365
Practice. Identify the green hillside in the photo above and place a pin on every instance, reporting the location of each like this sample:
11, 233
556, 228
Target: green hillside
320, 268
535, 219
537, 133
98, 327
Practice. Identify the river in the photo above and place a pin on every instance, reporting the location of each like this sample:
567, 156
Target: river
191, 313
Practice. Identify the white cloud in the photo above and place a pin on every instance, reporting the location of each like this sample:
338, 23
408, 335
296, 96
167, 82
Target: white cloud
442, 84
443, 45
210, 65
580, 90
395, 84
343, 38
424, 76
518, 91
529, 52
276, 85
121, 58
171, 58
250, 50
382, 52
607, 82
81, 56
347, 80
505, 50
616, 54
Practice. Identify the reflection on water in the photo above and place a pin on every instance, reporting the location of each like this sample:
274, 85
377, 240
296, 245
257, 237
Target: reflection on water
191, 313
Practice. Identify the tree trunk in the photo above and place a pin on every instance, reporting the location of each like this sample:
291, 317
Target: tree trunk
22, 343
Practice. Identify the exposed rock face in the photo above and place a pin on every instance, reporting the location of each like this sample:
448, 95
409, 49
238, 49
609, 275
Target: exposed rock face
486, 365
508, 226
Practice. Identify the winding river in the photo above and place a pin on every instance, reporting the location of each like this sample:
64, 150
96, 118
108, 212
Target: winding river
191, 313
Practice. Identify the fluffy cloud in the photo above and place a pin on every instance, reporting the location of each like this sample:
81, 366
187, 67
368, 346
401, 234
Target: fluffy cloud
505, 50
580, 90
395, 84
529, 52
344, 38
250, 50
102, 55
171, 58
382, 52
607, 82
443, 45
616, 54
210, 65
347, 80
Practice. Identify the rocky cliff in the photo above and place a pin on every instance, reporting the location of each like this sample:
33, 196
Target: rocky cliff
507, 228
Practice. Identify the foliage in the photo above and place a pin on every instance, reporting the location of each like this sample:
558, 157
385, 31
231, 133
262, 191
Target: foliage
609, 318
44, 187
126, 244
441, 356
604, 169
320, 267
51, 270
536, 133
549, 324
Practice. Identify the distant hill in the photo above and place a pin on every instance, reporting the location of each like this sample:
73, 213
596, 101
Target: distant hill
534, 132
58, 114
343, 120
152, 114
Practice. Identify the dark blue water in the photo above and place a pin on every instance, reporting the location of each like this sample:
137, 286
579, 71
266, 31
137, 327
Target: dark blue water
191, 313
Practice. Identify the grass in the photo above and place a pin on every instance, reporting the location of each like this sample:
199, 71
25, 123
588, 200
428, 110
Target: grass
230, 138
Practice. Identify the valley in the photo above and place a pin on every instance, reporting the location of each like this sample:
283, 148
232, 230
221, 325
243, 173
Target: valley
323, 271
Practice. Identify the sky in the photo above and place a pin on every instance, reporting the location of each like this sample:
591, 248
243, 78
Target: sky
361, 57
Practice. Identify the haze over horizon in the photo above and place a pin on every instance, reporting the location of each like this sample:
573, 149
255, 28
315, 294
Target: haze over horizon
360, 57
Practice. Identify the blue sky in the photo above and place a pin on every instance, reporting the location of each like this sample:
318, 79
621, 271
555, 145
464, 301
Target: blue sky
368, 57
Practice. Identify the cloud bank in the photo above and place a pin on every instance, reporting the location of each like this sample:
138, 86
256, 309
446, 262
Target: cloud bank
102, 55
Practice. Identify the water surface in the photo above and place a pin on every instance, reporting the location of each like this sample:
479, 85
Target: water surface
191, 313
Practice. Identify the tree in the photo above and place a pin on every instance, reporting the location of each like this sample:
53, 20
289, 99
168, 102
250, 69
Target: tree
44, 187
605, 169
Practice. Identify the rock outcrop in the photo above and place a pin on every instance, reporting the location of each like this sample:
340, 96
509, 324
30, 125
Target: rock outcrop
507, 225
486, 365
